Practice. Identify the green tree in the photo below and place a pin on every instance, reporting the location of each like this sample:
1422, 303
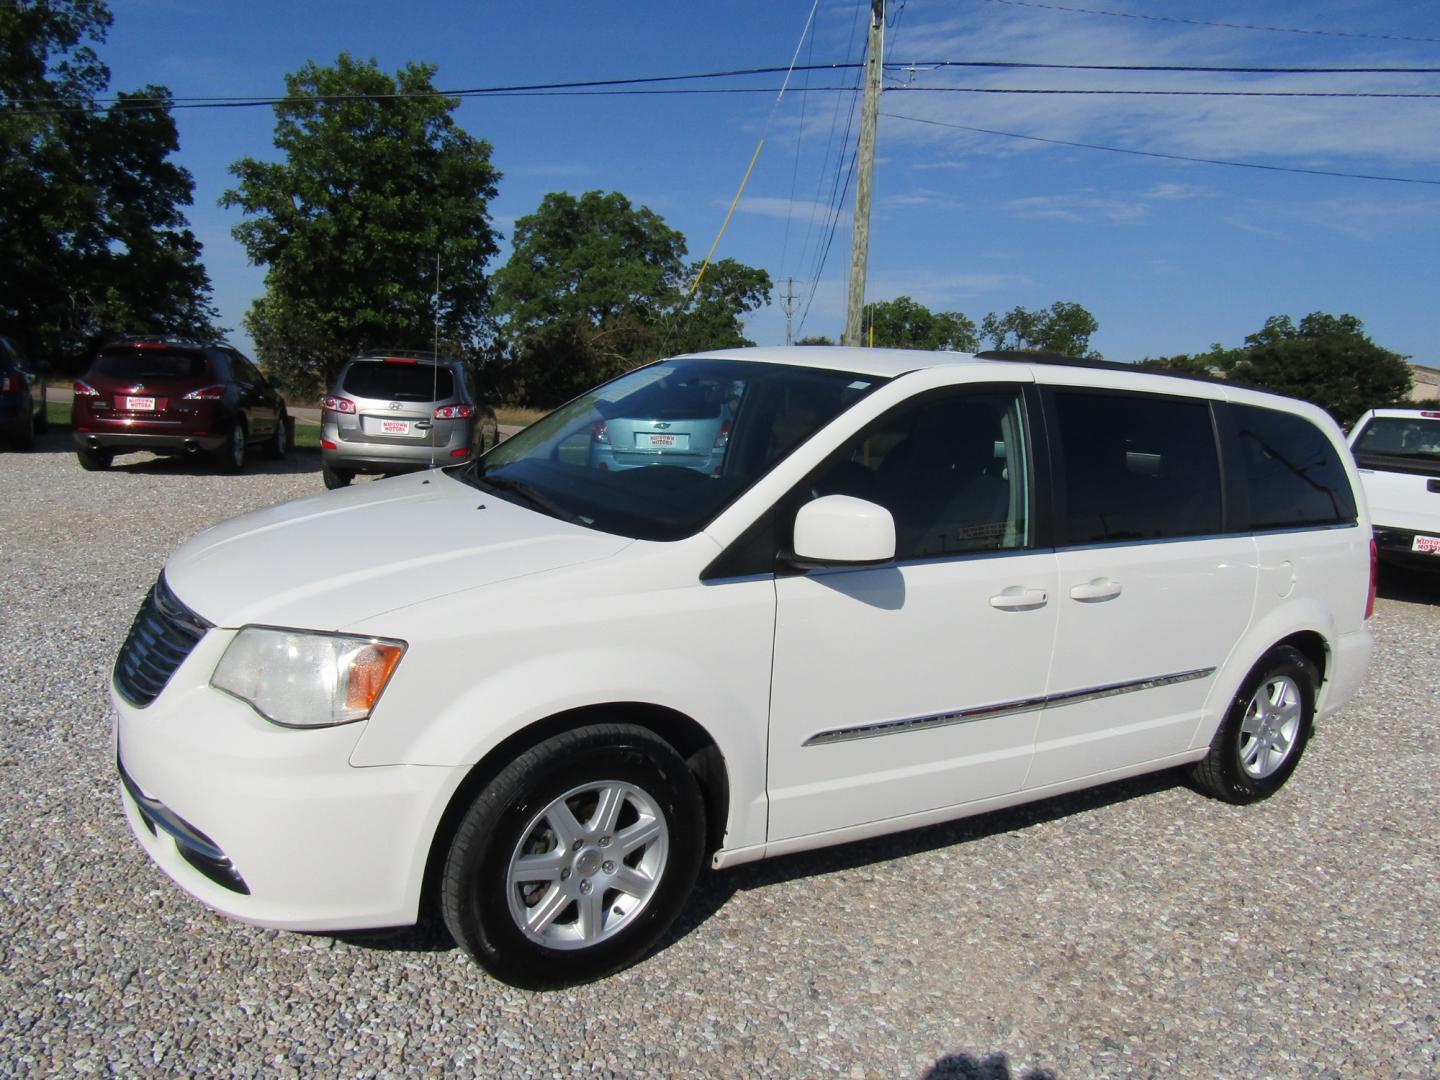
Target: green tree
1064, 328
903, 323
596, 286
376, 183
92, 237
1327, 360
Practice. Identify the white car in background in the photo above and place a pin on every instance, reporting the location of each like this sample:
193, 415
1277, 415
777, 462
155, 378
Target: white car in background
1398, 453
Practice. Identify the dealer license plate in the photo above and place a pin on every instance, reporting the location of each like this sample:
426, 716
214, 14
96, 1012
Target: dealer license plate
395, 427
645, 440
138, 404
1426, 545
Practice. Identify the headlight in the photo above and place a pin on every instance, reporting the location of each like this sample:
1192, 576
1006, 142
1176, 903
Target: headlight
302, 679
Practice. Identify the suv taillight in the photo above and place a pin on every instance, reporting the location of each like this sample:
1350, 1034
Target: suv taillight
7, 387
722, 437
338, 404
84, 389
1374, 575
206, 393
599, 433
454, 412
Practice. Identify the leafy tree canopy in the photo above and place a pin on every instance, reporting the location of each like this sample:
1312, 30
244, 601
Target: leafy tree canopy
596, 286
93, 241
1064, 327
1328, 360
903, 323
376, 183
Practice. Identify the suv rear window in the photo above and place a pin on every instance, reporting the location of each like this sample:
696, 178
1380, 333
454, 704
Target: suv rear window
399, 382
1400, 436
151, 364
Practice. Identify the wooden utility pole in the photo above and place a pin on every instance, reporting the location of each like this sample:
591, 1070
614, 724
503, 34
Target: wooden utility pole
789, 310
860, 228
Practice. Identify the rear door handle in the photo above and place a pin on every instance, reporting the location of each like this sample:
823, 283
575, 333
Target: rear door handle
1019, 598
1101, 588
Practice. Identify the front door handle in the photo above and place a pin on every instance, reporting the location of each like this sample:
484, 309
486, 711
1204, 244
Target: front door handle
1019, 598
1091, 592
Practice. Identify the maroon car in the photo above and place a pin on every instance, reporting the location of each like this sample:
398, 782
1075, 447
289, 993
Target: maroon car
173, 397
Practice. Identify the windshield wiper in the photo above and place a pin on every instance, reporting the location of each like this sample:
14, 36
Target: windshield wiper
535, 498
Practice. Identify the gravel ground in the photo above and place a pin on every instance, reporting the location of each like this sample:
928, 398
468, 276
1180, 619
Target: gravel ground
1137, 930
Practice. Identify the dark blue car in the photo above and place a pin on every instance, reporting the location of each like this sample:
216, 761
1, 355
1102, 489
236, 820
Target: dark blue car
22, 399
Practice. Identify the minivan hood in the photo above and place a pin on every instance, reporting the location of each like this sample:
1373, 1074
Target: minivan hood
327, 561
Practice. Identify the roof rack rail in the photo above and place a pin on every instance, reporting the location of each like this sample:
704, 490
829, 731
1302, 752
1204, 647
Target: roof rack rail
1035, 356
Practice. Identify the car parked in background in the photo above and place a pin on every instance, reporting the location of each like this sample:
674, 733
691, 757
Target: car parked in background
394, 413
22, 398
175, 397
1398, 453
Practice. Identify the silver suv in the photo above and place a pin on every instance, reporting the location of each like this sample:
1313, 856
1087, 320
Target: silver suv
397, 413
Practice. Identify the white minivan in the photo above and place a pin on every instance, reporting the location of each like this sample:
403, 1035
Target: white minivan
537, 693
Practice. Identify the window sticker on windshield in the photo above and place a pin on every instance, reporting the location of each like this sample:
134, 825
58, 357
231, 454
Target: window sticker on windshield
858, 384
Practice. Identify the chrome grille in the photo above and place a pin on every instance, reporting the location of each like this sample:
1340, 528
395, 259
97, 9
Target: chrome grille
161, 637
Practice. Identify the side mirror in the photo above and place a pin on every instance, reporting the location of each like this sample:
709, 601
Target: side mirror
840, 530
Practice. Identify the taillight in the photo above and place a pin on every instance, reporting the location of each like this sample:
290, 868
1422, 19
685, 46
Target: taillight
5, 384
84, 389
1374, 575
1430, 415
454, 412
462, 452
339, 404
206, 393
400, 360
722, 440
599, 433
326, 444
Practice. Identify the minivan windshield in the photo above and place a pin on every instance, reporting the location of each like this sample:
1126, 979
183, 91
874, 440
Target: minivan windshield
657, 453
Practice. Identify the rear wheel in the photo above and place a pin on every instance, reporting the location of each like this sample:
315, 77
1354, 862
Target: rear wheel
231, 456
94, 460
574, 860
335, 478
1263, 735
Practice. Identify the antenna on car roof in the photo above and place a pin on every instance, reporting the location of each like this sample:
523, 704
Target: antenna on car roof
435, 367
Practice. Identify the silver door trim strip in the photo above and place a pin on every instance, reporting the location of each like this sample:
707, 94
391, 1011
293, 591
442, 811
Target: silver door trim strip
1008, 708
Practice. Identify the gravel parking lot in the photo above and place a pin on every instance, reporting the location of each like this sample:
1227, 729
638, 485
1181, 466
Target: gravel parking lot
1137, 930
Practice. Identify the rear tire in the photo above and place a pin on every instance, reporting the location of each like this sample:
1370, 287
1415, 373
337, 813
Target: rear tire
94, 460
576, 858
1264, 733
335, 478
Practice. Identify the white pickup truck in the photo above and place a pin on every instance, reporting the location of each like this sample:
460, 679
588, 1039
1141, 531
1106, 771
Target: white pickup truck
1398, 454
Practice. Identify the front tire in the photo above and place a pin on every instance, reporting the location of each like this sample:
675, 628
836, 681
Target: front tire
232, 455
279, 443
576, 858
1264, 733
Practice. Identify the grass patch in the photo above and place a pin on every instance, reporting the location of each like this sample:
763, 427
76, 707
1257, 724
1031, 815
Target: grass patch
59, 414
515, 414
307, 436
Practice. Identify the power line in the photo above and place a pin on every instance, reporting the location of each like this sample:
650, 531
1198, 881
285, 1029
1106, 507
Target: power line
133, 103
1167, 157
1204, 22
1158, 93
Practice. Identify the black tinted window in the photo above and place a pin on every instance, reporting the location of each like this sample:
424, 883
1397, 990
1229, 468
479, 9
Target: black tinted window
1400, 436
151, 364
1293, 473
399, 382
1135, 467
950, 468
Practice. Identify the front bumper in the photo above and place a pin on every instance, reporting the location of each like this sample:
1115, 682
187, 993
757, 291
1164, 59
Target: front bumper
273, 826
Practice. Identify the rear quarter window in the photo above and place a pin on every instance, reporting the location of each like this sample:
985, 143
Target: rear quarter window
1294, 476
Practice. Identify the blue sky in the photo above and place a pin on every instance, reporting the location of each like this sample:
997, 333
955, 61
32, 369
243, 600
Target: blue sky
1169, 256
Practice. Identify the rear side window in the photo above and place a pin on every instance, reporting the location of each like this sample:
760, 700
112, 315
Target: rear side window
399, 382
1293, 473
151, 364
1135, 467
